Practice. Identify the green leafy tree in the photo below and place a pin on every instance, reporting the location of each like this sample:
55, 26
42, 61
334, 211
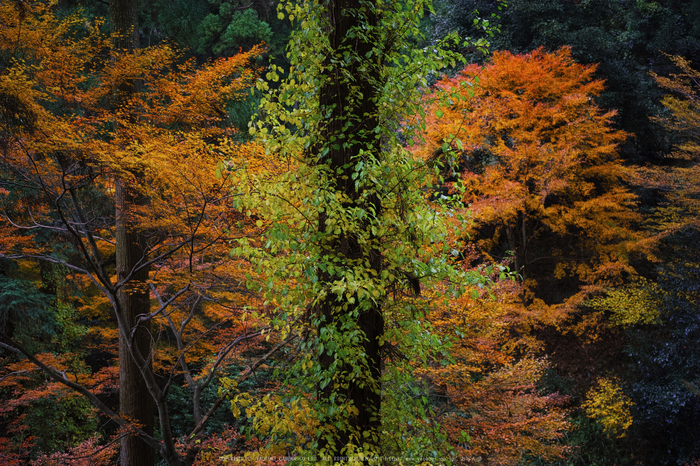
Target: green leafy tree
351, 240
179, 20
24, 310
234, 26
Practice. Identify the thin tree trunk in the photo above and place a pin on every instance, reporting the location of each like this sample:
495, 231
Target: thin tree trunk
135, 400
511, 234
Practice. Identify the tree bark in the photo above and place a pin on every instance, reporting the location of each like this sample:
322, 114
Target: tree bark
135, 400
350, 92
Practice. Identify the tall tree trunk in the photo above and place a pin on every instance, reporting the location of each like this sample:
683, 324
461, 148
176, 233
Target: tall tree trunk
350, 93
135, 400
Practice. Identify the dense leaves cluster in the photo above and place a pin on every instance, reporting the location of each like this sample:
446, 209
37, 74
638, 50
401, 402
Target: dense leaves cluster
390, 267
537, 161
626, 38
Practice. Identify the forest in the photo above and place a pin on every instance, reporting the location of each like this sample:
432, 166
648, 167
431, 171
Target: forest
349, 232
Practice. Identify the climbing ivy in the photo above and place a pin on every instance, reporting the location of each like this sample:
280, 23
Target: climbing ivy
350, 238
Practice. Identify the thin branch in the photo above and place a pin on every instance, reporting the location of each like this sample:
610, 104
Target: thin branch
163, 305
223, 352
97, 262
691, 387
13, 373
61, 377
249, 371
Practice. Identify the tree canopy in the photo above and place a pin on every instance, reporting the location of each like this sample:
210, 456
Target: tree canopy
368, 246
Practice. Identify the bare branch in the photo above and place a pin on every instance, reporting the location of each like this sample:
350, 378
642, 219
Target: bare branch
249, 371
61, 377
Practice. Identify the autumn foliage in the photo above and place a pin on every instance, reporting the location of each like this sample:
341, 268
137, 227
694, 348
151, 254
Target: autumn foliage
522, 146
489, 397
684, 106
68, 134
533, 297
537, 163
680, 179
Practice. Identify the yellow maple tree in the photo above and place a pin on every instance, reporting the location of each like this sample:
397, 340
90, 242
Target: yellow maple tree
67, 136
684, 106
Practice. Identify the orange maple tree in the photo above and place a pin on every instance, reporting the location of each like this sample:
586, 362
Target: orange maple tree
676, 183
521, 144
537, 163
66, 137
488, 394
